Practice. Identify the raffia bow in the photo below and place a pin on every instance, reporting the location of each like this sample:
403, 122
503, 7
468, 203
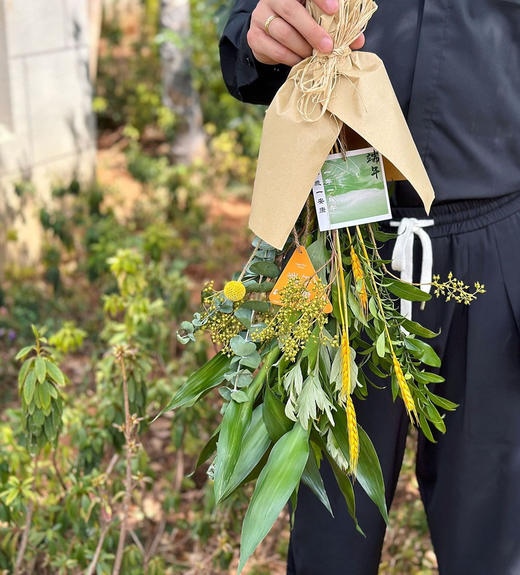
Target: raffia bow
321, 94
316, 77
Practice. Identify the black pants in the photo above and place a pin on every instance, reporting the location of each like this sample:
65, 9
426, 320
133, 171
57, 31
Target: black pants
470, 479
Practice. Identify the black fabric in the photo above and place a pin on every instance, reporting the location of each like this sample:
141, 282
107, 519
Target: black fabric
455, 66
469, 479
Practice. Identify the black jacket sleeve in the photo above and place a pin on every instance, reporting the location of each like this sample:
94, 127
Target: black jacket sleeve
246, 78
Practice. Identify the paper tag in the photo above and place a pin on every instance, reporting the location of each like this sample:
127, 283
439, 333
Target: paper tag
299, 265
351, 190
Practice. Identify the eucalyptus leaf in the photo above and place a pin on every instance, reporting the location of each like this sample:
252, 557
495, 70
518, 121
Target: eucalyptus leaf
266, 269
244, 316
239, 396
260, 306
241, 347
259, 287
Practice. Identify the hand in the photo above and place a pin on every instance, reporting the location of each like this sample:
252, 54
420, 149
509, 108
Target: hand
293, 34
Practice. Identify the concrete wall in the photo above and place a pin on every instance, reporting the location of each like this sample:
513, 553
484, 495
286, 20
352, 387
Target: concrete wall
47, 129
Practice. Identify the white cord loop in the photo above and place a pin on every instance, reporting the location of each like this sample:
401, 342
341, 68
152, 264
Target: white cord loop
402, 256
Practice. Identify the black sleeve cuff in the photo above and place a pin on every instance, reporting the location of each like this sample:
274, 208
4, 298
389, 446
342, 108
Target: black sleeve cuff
246, 78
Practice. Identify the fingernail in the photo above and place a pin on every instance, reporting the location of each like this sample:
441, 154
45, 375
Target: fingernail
326, 44
332, 5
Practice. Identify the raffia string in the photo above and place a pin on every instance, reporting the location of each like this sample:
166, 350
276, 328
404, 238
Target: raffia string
317, 79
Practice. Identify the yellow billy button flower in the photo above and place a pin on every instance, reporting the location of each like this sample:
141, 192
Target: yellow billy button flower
235, 290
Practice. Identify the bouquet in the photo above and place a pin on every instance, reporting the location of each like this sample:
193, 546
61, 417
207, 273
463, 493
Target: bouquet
310, 326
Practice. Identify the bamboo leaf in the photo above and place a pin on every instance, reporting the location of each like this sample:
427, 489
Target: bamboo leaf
200, 382
369, 472
208, 449
276, 422
274, 487
253, 446
234, 424
347, 490
312, 478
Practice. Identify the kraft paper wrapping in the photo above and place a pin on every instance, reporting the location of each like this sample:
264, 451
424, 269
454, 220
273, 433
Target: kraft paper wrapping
304, 120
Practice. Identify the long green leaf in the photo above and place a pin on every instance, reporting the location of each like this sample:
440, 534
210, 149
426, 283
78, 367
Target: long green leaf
369, 472
347, 490
40, 368
234, 424
312, 478
253, 446
276, 422
207, 450
406, 291
201, 381
274, 487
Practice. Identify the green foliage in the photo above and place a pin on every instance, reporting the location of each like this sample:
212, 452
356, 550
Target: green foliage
39, 383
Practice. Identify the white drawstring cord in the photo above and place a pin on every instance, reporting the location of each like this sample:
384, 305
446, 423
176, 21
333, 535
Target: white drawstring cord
402, 256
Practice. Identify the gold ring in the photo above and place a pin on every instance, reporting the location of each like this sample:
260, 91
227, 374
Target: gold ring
268, 23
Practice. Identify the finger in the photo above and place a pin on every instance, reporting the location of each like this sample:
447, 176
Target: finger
328, 6
268, 51
358, 43
298, 17
283, 33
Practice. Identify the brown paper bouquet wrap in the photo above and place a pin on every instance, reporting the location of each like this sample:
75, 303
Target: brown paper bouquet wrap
322, 94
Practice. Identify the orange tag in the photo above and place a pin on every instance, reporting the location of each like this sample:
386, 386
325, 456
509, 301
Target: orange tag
299, 265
